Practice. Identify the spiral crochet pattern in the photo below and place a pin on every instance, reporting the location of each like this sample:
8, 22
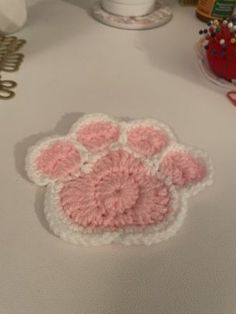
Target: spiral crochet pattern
122, 192
111, 181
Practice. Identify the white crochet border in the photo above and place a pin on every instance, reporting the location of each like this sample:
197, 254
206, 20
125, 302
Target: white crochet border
63, 226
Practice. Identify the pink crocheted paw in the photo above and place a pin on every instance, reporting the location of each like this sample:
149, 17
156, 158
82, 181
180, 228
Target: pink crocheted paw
97, 133
183, 168
147, 140
53, 160
112, 181
118, 193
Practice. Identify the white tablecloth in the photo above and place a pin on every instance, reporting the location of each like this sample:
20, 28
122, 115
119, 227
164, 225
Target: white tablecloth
75, 65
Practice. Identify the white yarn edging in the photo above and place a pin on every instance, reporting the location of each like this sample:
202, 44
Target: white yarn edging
71, 232
33, 152
198, 154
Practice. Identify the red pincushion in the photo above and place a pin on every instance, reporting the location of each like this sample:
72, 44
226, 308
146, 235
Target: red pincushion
222, 61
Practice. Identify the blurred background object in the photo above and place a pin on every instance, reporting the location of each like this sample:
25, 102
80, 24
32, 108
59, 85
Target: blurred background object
188, 2
13, 15
214, 9
132, 14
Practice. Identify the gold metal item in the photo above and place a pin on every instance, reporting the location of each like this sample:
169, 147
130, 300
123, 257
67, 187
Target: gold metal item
10, 61
5, 89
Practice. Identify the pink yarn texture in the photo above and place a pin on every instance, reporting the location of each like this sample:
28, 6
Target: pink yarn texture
183, 168
58, 160
146, 140
111, 181
121, 190
97, 135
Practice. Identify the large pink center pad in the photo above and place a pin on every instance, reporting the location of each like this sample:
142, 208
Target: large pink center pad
113, 181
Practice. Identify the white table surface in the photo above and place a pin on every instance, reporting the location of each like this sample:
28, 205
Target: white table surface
75, 65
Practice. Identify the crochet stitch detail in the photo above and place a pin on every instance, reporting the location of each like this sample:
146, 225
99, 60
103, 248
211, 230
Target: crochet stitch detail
146, 140
58, 159
97, 135
117, 193
113, 181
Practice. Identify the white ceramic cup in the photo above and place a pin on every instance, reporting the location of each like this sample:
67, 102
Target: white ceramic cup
13, 15
128, 7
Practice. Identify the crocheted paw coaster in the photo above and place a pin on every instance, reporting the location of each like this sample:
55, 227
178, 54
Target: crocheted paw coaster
112, 181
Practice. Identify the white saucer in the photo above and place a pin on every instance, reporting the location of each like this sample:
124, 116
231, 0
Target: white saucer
161, 15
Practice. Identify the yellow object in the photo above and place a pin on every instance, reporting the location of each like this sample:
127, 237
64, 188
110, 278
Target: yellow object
215, 9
